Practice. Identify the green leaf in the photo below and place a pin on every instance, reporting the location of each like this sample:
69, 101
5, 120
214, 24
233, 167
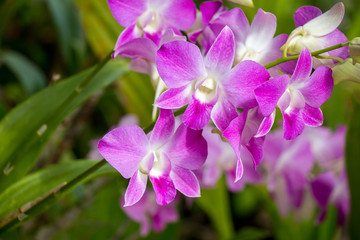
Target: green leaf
70, 32
353, 168
26, 129
251, 233
33, 188
30, 75
215, 202
327, 229
102, 29
138, 95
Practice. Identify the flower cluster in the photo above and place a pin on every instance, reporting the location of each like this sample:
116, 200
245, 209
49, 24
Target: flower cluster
215, 65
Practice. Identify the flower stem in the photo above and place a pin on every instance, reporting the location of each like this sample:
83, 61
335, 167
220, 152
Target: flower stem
315, 53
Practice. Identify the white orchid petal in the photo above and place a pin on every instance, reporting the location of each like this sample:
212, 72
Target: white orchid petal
327, 22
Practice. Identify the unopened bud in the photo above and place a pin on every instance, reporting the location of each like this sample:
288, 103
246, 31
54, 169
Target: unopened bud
245, 3
346, 71
354, 49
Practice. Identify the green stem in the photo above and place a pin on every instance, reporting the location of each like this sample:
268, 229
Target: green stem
315, 53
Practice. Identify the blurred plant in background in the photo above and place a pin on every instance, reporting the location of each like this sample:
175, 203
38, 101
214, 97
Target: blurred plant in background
54, 107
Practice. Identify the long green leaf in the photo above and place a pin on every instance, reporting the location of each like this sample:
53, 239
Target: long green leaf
353, 168
31, 76
70, 32
25, 130
215, 202
34, 188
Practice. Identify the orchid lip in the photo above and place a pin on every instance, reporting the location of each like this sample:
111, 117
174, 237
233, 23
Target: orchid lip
206, 91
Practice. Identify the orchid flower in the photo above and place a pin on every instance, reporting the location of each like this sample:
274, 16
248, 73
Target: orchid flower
221, 158
246, 135
150, 18
299, 97
149, 214
316, 31
166, 157
208, 85
289, 164
328, 188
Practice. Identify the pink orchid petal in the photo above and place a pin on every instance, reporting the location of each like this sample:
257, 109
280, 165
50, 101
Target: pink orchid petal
197, 114
334, 38
179, 62
293, 123
180, 14
126, 12
130, 33
266, 125
220, 57
185, 181
255, 147
174, 97
236, 20
318, 88
135, 189
322, 187
312, 116
239, 85
188, 148
208, 10
139, 47
163, 128
223, 113
305, 14
262, 30
164, 189
124, 148
268, 94
164, 215
303, 67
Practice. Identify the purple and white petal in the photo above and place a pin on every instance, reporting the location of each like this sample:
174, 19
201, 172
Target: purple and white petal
127, 12
185, 181
312, 116
303, 67
266, 125
327, 22
223, 113
197, 114
180, 62
268, 94
135, 189
163, 128
180, 14
293, 123
174, 98
305, 14
261, 31
317, 90
164, 189
239, 85
124, 148
187, 148
220, 57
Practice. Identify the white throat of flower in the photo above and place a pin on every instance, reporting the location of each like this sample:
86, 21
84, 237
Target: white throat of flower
206, 92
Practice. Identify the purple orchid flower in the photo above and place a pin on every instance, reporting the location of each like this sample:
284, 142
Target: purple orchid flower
246, 135
222, 158
316, 31
299, 98
166, 157
209, 85
289, 164
150, 18
329, 188
149, 214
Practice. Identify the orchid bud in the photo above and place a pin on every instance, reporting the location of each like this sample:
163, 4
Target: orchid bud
354, 50
346, 71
